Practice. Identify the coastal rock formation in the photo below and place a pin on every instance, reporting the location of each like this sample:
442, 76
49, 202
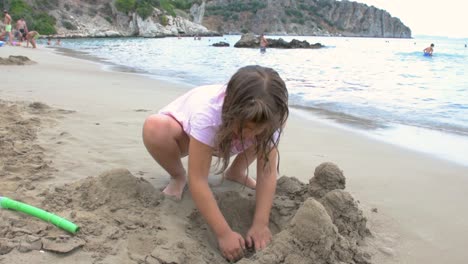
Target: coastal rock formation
305, 17
249, 40
221, 44
101, 18
131, 25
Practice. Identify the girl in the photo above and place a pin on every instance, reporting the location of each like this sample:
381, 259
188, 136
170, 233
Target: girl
246, 117
31, 38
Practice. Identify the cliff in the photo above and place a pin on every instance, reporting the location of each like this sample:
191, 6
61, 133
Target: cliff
101, 18
302, 17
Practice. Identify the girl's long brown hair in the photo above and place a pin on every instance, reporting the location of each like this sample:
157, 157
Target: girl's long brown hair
254, 94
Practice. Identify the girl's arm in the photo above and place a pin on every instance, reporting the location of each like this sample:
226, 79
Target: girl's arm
259, 234
231, 243
199, 163
265, 189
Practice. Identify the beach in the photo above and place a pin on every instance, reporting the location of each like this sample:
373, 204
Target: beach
77, 120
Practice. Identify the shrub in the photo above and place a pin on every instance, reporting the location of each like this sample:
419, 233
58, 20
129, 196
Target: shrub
109, 19
92, 11
182, 4
45, 5
69, 25
18, 9
125, 6
163, 20
144, 10
106, 10
166, 5
43, 23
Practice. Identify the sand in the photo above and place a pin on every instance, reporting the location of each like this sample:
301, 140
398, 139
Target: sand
70, 138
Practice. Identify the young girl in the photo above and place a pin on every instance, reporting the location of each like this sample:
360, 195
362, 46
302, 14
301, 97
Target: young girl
246, 118
31, 38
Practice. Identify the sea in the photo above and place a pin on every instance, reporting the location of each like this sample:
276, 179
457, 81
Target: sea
383, 88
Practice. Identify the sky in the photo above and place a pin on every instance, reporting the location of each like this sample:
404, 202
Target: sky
428, 17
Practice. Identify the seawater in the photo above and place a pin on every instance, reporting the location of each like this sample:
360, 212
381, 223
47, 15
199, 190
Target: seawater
384, 88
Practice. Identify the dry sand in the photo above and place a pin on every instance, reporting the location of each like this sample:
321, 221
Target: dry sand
70, 139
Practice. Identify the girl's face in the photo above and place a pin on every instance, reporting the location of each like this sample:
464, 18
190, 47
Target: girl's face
249, 131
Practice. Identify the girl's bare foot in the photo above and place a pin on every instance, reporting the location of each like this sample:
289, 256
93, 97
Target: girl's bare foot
175, 188
241, 178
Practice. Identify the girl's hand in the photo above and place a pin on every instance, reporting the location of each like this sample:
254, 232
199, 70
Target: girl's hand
232, 245
258, 236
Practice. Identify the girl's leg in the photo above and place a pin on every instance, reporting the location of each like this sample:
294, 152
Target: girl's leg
238, 170
167, 143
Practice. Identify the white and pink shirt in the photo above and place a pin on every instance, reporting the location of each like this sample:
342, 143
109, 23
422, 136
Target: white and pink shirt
199, 113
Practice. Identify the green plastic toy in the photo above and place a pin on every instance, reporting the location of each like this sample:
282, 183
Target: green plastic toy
60, 222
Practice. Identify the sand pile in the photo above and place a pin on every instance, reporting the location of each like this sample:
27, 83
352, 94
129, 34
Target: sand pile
312, 223
16, 60
125, 219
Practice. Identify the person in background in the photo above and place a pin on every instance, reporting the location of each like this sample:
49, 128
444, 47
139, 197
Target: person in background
245, 118
22, 27
58, 42
49, 41
263, 43
429, 50
7, 22
31, 38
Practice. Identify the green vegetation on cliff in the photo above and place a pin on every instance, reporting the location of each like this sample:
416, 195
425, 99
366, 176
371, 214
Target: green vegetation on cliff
231, 10
144, 8
36, 17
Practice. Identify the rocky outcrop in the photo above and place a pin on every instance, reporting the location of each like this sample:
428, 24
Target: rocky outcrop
101, 19
249, 40
221, 44
198, 11
303, 17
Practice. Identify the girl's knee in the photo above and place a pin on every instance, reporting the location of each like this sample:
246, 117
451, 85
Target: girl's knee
155, 124
161, 127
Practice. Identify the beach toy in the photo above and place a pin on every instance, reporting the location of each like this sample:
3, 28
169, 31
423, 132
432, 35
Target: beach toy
1, 43
60, 222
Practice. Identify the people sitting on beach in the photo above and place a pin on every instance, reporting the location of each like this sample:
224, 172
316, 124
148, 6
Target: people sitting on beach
16, 43
246, 118
263, 43
428, 51
31, 38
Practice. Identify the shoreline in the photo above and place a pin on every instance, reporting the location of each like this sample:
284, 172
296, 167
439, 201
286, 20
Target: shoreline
390, 133
420, 199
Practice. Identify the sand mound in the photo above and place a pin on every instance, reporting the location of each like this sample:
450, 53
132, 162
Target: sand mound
305, 230
16, 60
121, 215
125, 219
